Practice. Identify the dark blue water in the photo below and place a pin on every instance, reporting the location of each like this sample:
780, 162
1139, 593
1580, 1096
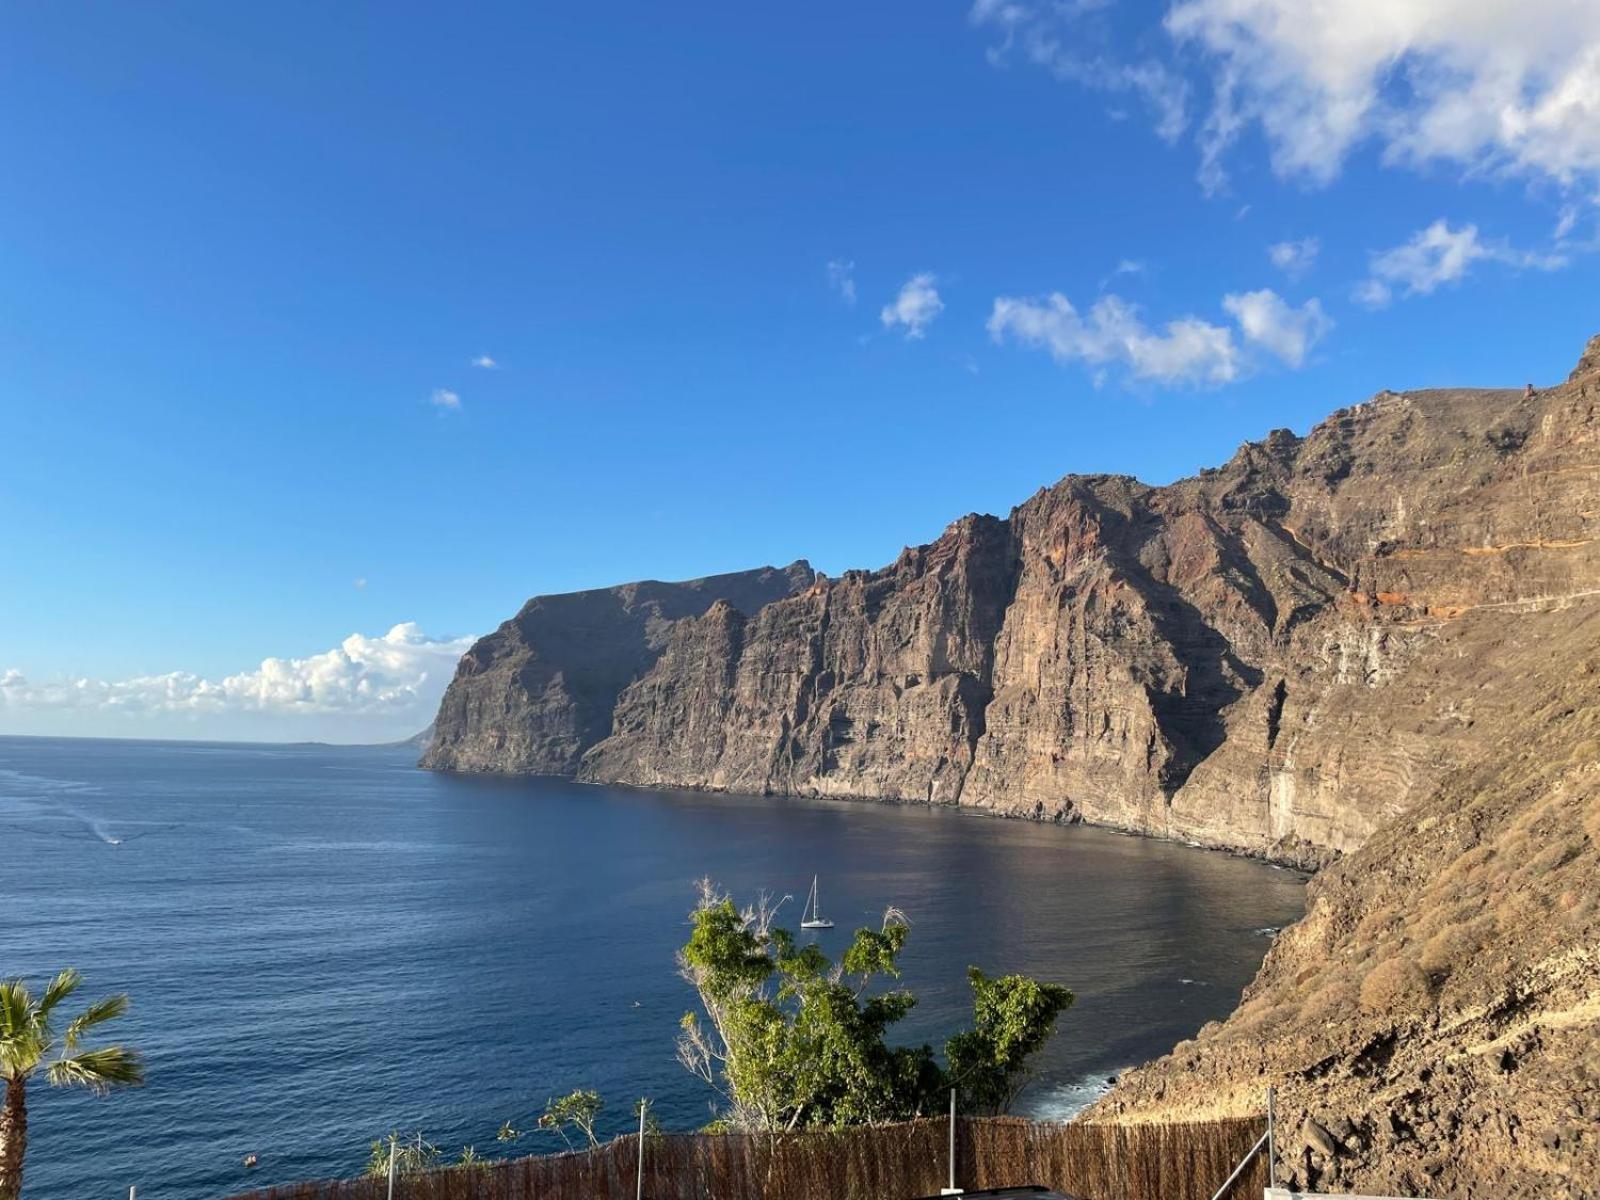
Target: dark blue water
326, 944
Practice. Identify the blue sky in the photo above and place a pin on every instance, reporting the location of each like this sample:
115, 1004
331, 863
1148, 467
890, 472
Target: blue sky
758, 282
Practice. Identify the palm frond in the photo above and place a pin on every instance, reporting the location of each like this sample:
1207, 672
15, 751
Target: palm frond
62, 986
16, 1007
22, 1038
99, 1070
97, 1013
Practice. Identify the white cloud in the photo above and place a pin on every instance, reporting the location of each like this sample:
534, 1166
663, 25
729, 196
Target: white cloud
361, 584
1128, 266
396, 678
1050, 35
915, 307
1186, 351
485, 363
446, 399
1267, 320
842, 279
1488, 87
1436, 256
1295, 258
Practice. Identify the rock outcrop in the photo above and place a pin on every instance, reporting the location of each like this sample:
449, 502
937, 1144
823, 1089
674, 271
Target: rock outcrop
532, 696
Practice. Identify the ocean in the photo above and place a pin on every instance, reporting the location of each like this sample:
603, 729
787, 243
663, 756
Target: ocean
324, 944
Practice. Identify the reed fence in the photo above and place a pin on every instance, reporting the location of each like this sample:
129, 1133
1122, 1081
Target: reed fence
893, 1162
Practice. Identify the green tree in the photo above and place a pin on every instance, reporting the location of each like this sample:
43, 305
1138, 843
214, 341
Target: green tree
28, 1045
790, 1039
412, 1155
578, 1110
1013, 1017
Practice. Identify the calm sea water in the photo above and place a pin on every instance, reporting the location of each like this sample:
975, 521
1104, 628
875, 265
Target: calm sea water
324, 944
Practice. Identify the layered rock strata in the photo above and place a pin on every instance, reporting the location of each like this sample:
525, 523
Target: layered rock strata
532, 696
1274, 656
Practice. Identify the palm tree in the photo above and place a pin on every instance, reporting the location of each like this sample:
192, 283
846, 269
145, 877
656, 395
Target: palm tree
28, 1044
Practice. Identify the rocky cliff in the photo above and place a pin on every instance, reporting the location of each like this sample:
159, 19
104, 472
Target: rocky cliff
1275, 656
535, 694
1432, 1027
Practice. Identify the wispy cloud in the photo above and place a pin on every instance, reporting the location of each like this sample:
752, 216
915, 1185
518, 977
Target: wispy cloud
1295, 258
915, 308
1066, 40
1128, 266
446, 399
1187, 351
1184, 351
1440, 255
842, 279
484, 363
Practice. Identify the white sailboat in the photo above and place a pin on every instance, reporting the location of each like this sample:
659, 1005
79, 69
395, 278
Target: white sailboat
812, 917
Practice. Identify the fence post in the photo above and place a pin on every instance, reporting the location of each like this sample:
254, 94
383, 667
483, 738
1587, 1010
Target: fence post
1272, 1146
638, 1188
393, 1147
952, 1190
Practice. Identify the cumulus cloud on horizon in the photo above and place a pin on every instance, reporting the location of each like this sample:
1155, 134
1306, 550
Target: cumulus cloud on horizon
391, 682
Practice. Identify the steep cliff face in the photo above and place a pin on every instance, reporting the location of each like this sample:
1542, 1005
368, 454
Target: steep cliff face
1433, 1026
535, 694
875, 684
1270, 656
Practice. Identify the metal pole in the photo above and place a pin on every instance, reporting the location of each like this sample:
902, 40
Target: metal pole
393, 1148
952, 1139
133, 1193
1243, 1162
638, 1189
1272, 1145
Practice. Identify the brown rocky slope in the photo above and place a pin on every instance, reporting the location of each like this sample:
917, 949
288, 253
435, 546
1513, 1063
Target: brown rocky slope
1432, 1026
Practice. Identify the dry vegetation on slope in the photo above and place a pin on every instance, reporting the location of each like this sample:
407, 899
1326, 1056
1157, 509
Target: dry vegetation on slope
1433, 1024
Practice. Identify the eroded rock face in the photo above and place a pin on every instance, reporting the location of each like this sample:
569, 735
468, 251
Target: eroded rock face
1263, 657
539, 691
1266, 657
1432, 1027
